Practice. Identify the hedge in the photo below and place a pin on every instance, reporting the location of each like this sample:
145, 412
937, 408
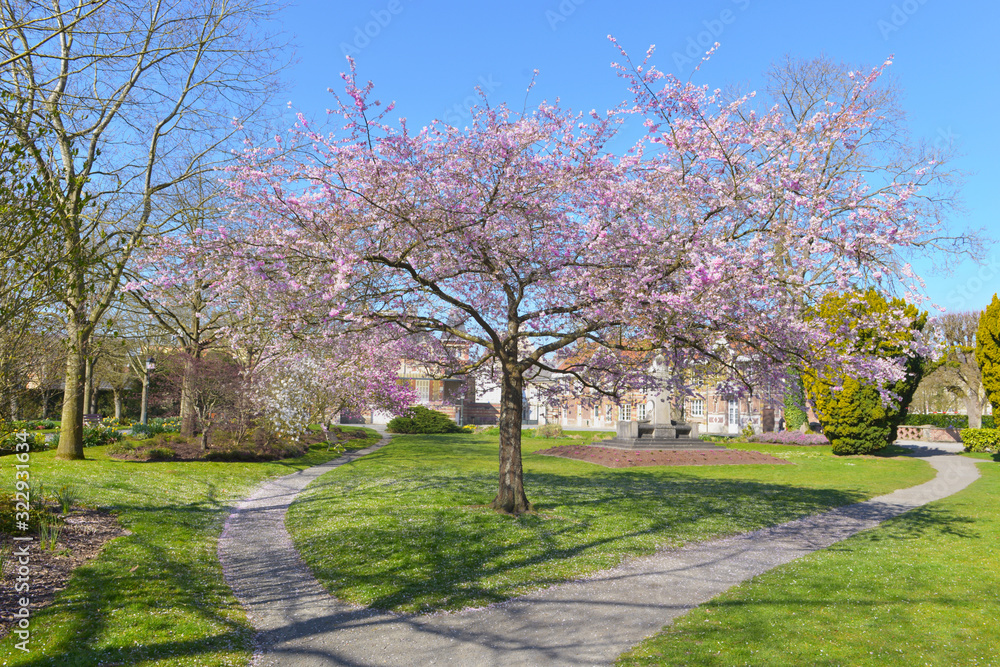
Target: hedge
422, 420
981, 439
944, 421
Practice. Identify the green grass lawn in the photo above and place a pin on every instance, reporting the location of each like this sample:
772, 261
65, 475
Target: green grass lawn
156, 596
920, 589
401, 529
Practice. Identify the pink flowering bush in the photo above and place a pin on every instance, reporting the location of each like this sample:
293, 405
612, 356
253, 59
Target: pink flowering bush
791, 438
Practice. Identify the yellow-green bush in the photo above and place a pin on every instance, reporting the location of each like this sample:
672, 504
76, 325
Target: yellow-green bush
981, 439
854, 417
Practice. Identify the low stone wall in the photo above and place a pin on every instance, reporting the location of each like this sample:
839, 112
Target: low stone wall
928, 433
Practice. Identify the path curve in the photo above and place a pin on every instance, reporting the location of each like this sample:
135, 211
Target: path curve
587, 622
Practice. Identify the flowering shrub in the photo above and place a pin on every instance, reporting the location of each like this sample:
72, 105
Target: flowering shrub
40, 443
301, 384
166, 425
791, 438
100, 435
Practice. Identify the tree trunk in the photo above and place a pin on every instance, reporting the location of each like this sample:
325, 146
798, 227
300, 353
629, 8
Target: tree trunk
974, 409
188, 415
118, 403
510, 497
71, 431
205, 427
88, 385
143, 417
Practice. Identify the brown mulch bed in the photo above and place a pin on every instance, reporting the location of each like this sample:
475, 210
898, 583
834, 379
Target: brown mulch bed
189, 449
81, 537
621, 458
184, 450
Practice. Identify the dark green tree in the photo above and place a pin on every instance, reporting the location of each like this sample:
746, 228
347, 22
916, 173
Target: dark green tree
988, 352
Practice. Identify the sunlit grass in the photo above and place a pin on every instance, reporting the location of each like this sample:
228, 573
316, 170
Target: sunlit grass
405, 529
921, 589
156, 596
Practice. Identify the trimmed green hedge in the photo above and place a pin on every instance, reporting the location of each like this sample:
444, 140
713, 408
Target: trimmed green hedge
958, 421
981, 439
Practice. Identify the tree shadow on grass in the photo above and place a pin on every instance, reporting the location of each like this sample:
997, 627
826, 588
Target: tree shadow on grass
892, 451
414, 553
159, 595
923, 522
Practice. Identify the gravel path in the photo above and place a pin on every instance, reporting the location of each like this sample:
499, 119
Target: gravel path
588, 622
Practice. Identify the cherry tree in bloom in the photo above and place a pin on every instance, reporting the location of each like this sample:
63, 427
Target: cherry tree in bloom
526, 237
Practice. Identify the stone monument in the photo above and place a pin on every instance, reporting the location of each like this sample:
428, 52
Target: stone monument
662, 432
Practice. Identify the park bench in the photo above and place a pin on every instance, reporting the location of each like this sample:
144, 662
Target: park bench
92, 419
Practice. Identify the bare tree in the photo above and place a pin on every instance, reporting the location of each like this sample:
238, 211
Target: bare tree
115, 107
958, 370
69, 16
883, 155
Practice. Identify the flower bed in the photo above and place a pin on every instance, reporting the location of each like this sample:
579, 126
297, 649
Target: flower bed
791, 438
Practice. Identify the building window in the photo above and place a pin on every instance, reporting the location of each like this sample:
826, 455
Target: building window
697, 407
734, 412
423, 390
625, 413
640, 411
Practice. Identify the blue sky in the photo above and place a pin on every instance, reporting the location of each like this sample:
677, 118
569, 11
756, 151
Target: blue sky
430, 56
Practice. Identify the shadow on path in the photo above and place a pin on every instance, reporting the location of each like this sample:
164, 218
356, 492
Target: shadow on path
585, 622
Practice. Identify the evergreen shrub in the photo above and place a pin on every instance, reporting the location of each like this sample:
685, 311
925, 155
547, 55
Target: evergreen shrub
422, 420
981, 439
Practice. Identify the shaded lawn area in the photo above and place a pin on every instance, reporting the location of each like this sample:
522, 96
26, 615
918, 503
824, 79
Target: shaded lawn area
156, 596
920, 589
401, 529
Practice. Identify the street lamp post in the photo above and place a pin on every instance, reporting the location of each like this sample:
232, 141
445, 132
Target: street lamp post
150, 366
